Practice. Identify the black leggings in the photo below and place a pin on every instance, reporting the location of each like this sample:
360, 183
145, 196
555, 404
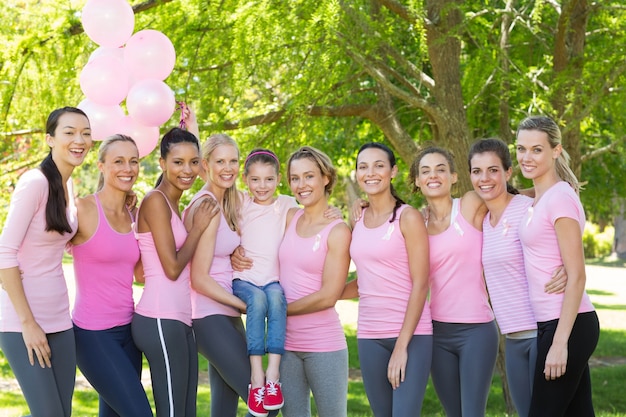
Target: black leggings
111, 363
569, 395
48, 391
170, 347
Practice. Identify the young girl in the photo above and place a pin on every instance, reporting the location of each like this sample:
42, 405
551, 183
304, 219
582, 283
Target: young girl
161, 326
104, 306
263, 219
36, 333
551, 235
390, 250
314, 259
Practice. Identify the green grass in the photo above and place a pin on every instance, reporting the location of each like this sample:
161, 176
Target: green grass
608, 388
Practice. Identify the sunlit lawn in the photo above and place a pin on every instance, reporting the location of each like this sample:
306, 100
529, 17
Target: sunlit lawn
608, 382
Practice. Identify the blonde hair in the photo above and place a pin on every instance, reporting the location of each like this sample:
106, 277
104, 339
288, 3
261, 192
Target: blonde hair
551, 129
321, 160
104, 148
231, 196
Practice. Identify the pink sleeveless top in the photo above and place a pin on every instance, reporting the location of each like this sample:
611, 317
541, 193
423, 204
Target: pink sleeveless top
163, 298
302, 262
457, 288
103, 269
221, 270
382, 265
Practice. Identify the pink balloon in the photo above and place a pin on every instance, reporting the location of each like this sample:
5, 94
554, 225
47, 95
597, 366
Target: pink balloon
146, 137
149, 54
108, 22
150, 102
104, 80
104, 120
107, 51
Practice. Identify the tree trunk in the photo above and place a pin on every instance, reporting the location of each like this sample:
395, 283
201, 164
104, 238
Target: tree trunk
444, 22
619, 243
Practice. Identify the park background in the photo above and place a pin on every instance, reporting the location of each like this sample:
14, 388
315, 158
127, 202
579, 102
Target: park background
335, 74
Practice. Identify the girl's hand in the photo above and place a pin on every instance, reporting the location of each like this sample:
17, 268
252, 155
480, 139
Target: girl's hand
556, 362
558, 282
333, 213
357, 209
36, 345
396, 369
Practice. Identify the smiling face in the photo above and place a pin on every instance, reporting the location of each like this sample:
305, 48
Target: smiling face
434, 177
488, 175
120, 165
535, 155
374, 171
181, 165
307, 182
71, 140
222, 166
262, 180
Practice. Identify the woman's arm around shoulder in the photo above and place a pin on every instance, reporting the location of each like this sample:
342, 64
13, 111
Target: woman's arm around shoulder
473, 209
87, 213
334, 274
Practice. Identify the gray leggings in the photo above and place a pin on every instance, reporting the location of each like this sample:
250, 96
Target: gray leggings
170, 348
325, 374
407, 399
464, 357
48, 391
521, 356
222, 340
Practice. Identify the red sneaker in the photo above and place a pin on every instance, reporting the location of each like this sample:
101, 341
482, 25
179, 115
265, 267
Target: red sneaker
255, 401
273, 396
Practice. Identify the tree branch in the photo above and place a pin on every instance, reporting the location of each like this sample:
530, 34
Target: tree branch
600, 151
399, 9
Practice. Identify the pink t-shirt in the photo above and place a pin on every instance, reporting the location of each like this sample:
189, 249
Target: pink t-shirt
162, 297
262, 230
302, 262
503, 261
38, 254
382, 266
541, 247
103, 268
221, 270
457, 289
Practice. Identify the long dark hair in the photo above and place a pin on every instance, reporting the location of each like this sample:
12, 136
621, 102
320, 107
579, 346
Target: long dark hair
56, 216
392, 162
500, 149
173, 136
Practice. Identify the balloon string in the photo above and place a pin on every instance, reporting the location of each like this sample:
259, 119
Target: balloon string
182, 107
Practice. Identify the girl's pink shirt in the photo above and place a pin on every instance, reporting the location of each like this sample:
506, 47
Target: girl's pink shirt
503, 261
457, 289
302, 261
384, 280
542, 255
104, 272
38, 254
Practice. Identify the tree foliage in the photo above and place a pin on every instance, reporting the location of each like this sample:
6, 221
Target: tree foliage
335, 74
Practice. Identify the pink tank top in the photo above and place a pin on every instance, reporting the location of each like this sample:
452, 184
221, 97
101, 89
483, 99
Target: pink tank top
221, 270
457, 288
382, 265
163, 298
302, 262
103, 268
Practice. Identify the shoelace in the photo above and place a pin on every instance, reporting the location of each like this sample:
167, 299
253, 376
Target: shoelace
258, 395
271, 388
